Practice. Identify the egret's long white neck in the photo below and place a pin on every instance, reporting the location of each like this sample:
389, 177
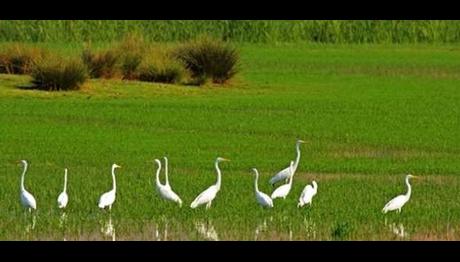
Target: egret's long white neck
256, 180
158, 174
65, 180
290, 180
218, 174
298, 157
22, 177
292, 170
166, 171
409, 188
113, 179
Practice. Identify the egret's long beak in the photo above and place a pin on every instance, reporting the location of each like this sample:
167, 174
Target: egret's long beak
225, 159
301, 141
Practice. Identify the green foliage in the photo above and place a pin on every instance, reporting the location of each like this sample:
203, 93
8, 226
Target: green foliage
269, 31
341, 230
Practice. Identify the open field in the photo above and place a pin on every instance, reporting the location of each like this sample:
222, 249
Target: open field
369, 113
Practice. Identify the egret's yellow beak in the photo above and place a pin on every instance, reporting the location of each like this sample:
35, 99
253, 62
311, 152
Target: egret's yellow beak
225, 159
301, 141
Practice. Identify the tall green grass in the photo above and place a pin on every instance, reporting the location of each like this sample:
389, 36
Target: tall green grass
324, 31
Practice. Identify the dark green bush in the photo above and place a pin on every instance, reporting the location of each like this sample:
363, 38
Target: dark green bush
56, 74
209, 58
341, 230
129, 66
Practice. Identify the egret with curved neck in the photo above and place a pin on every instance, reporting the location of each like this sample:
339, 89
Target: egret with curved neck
207, 196
398, 202
157, 176
283, 190
286, 173
263, 199
27, 199
107, 199
307, 194
63, 198
165, 190
166, 171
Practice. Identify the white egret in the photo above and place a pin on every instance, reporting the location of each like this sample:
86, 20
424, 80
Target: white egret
286, 173
283, 190
108, 198
262, 198
63, 198
307, 194
165, 191
398, 202
207, 196
27, 199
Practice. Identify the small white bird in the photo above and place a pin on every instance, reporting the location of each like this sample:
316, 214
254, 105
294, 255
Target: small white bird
63, 198
108, 198
27, 199
307, 194
283, 190
286, 173
207, 196
262, 198
165, 191
398, 202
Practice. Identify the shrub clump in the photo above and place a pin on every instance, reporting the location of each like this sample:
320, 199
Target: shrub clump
59, 74
161, 68
102, 64
20, 59
131, 50
209, 58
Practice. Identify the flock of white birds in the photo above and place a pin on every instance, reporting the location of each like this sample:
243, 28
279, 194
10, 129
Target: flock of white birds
207, 196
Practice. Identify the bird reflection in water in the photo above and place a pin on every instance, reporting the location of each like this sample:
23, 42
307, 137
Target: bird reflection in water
207, 230
108, 229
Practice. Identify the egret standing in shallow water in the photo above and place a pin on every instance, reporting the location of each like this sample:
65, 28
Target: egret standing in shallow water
262, 198
207, 196
63, 198
286, 173
283, 191
27, 199
398, 202
307, 194
108, 198
166, 191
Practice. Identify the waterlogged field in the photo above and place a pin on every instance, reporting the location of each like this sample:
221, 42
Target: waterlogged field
370, 114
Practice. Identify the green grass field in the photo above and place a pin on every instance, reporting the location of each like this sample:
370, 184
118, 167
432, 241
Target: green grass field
254, 31
370, 114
